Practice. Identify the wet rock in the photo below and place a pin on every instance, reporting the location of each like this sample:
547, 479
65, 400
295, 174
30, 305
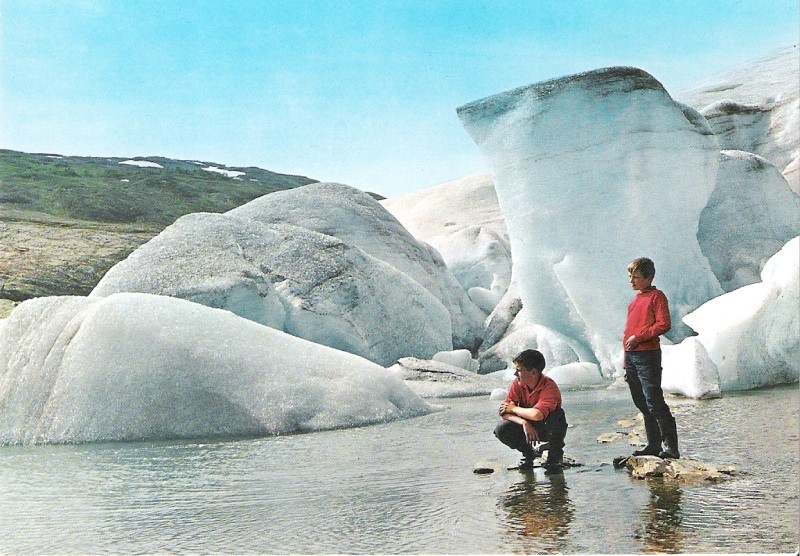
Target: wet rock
641, 467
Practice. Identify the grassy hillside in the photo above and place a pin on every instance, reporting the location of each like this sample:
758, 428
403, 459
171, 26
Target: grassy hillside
104, 190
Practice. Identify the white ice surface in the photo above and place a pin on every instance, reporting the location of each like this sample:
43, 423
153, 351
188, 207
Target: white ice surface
755, 107
356, 218
142, 163
750, 215
752, 334
592, 171
463, 221
139, 366
306, 283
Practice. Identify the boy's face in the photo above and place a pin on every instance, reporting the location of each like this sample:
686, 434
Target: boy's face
639, 282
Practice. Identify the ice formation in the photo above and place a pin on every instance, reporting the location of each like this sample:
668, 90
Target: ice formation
591, 171
437, 379
138, 366
308, 284
461, 219
751, 214
357, 219
755, 107
752, 335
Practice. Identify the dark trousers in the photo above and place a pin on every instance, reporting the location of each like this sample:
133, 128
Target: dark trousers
643, 374
551, 430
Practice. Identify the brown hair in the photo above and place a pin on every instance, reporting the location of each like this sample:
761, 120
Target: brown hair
643, 266
530, 359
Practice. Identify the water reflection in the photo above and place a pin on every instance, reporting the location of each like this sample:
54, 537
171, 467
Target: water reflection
539, 512
662, 517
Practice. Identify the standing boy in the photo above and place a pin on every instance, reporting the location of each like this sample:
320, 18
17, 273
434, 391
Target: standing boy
532, 411
648, 318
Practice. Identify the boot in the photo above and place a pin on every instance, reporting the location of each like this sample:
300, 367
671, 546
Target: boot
670, 434
653, 433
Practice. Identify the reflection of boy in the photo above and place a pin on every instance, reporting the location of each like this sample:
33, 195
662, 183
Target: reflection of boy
648, 318
532, 411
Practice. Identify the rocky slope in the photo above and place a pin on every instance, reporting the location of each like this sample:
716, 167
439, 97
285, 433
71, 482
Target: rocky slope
64, 221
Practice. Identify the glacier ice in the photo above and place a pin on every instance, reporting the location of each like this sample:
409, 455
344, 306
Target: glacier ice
750, 215
356, 218
752, 334
591, 171
755, 107
135, 366
462, 220
306, 283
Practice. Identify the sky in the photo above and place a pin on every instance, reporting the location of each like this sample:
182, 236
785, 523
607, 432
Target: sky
362, 92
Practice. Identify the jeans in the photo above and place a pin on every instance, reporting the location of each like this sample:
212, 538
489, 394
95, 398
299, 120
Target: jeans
643, 373
552, 430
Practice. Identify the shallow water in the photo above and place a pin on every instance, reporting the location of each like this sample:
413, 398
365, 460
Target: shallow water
408, 487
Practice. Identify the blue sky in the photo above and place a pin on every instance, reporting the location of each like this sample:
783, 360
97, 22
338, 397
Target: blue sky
361, 92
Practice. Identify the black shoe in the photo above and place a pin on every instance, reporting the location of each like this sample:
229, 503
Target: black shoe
551, 468
648, 451
666, 454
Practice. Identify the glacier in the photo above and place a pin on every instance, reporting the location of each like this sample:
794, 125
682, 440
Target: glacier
305, 283
751, 335
321, 307
591, 171
135, 366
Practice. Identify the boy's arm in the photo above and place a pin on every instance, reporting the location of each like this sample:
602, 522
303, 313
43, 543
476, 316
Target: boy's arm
661, 325
663, 322
529, 413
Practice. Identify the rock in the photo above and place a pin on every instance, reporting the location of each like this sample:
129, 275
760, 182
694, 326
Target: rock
46, 256
436, 379
641, 467
610, 437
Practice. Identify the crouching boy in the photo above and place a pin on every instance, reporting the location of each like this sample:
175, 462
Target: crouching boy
532, 412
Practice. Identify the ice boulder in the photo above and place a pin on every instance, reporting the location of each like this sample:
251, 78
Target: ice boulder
591, 171
752, 334
145, 367
458, 358
751, 214
308, 284
357, 219
574, 376
435, 379
462, 220
689, 371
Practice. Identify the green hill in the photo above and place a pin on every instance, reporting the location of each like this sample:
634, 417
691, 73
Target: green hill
113, 190
65, 220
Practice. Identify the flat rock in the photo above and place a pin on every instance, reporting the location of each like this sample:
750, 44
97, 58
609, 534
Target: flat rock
641, 467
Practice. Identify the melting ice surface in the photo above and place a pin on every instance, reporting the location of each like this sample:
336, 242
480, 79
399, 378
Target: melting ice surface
747, 338
139, 366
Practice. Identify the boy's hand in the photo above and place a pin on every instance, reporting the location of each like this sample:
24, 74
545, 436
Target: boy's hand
506, 407
631, 343
530, 433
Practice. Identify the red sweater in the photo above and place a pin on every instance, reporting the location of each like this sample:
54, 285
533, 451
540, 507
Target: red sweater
648, 318
545, 396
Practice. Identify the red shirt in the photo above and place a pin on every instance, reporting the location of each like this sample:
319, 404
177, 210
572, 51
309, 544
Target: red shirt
545, 396
648, 318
